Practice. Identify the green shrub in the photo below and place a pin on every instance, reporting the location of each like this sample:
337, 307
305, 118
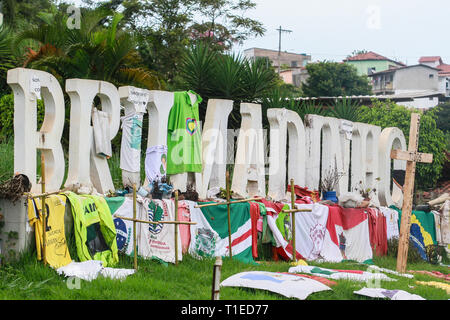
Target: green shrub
413, 253
7, 116
431, 139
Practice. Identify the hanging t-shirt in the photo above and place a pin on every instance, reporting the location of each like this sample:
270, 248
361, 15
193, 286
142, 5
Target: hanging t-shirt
156, 163
391, 222
209, 237
57, 252
100, 125
377, 231
130, 148
158, 240
185, 215
184, 141
123, 207
95, 233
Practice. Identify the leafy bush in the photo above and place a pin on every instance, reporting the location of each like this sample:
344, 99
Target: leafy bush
7, 116
413, 253
345, 109
431, 139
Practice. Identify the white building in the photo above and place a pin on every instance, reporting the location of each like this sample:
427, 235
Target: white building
420, 82
443, 73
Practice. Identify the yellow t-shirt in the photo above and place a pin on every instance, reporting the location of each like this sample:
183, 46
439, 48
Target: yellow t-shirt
57, 252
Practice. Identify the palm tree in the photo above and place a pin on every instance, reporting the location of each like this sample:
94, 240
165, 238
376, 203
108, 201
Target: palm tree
7, 60
91, 52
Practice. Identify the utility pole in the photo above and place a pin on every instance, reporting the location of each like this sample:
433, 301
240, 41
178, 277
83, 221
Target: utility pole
280, 30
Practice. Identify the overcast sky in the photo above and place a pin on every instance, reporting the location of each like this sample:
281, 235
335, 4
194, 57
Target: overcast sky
403, 30
332, 29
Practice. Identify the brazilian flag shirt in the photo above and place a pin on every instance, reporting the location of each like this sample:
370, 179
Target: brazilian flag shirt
184, 145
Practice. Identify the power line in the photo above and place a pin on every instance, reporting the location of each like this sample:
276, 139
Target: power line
280, 30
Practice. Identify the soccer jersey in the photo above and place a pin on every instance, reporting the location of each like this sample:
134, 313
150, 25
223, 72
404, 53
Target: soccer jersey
57, 254
95, 233
184, 145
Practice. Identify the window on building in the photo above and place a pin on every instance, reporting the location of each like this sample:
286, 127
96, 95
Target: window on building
431, 76
293, 64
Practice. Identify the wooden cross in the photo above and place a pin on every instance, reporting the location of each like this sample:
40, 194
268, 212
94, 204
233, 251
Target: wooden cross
134, 220
228, 203
293, 211
411, 156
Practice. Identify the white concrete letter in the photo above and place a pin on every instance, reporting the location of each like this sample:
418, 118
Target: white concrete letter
390, 138
248, 174
283, 122
26, 138
214, 144
86, 167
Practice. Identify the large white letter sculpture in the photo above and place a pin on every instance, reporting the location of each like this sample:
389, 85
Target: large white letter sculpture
248, 174
28, 86
332, 156
390, 138
214, 144
365, 157
85, 166
285, 122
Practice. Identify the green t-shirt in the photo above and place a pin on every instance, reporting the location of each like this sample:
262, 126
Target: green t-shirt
184, 139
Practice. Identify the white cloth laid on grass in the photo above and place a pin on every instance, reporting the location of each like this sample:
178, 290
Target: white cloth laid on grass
91, 269
355, 275
385, 293
406, 275
290, 286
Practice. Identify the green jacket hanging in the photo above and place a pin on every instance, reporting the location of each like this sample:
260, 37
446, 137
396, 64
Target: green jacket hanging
95, 233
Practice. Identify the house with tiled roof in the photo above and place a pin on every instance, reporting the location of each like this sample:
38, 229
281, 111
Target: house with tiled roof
369, 62
443, 73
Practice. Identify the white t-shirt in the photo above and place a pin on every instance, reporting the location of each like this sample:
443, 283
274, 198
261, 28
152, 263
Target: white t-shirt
130, 149
155, 162
159, 240
391, 222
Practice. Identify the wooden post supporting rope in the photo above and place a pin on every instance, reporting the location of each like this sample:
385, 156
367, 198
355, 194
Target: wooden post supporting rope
293, 210
134, 227
176, 227
228, 190
293, 219
411, 156
228, 203
43, 214
215, 291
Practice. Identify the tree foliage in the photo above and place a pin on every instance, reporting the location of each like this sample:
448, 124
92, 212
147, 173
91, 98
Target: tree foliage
332, 79
431, 139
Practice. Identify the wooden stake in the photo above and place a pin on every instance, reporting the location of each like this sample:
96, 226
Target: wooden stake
294, 210
215, 294
43, 213
176, 227
228, 187
411, 157
134, 227
294, 255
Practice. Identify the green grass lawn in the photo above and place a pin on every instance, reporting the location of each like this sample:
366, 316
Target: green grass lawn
29, 279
